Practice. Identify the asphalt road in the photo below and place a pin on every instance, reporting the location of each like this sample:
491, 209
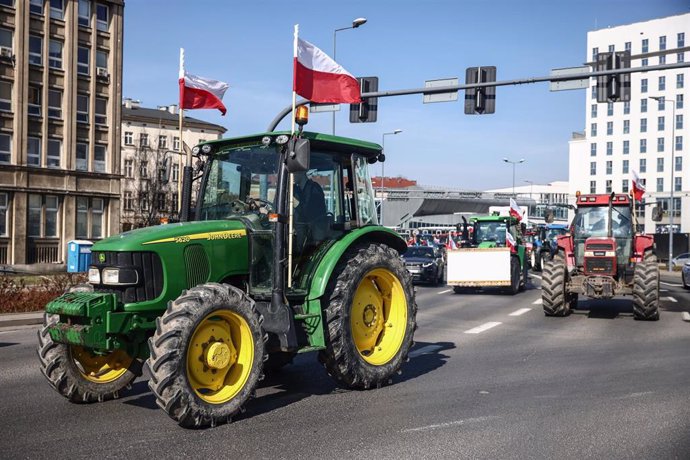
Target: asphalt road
490, 377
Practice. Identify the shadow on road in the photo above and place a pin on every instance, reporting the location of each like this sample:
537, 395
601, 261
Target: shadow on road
605, 309
424, 358
7, 344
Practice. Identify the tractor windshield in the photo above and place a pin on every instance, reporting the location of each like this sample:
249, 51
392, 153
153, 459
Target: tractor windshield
594, 221
553, 233
491, 231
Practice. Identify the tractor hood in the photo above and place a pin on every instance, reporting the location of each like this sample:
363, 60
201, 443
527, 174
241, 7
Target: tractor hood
487, 244
146, 238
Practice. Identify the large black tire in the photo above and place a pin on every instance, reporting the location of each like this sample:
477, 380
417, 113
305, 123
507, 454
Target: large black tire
555, 300
515, 276
524, 278
342, 359
175, 344
62, 365
537, 261
646, 291
686, 283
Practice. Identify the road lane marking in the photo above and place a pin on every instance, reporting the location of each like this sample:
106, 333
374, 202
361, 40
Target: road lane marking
521, 311
663, 290
424, 350
448, 424
670, 284
672, 299
535, 276
483, 327
539, 301
443, 292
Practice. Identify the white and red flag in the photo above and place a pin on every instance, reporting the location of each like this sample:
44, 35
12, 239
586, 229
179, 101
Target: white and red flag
199, 92
319, 78
515, 210
637, 186
510, 241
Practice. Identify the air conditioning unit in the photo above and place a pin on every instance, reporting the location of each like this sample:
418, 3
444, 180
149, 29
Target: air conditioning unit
5, 52
102, 72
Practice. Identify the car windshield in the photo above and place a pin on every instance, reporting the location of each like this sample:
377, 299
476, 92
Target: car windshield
491, 231
419, 252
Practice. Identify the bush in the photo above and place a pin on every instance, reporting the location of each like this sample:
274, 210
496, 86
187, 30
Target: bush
21, 294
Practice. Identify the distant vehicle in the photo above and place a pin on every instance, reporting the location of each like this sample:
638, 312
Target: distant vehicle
680, 260
425, 264
547, 244
685, 275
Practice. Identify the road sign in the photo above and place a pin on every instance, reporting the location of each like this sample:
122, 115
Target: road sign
569, 84
441, 97
366, 111
316, 108
614, 87
480, 100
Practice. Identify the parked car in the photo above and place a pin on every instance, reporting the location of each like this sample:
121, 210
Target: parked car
680, 260
685, 275
425, 264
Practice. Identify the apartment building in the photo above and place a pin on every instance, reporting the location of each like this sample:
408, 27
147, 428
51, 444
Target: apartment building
150, 161
649, 134
60, 110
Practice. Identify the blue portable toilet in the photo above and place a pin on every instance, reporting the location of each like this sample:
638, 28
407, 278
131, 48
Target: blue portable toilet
78, 256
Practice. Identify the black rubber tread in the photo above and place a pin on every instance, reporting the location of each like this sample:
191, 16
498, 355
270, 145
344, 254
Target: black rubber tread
555, 301
63, 374
524, 278
341, 357
686, 283
168, 346
650, 257
515, 276
537, 261
646, 291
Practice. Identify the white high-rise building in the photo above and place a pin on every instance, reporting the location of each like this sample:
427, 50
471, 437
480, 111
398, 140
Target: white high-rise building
643, 134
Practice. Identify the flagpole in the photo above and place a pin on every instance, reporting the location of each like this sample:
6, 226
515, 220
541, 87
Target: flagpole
180, 148
292, 177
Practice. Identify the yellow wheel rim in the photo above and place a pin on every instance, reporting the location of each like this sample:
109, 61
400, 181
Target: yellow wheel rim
101, 368
220, 356
379, 316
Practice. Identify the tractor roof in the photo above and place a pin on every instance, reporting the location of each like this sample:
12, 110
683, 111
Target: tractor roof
603, 200
556, 226
318, 141
493, 219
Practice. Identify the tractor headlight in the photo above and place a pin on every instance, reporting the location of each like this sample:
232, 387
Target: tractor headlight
206, 148
120, 276
427, 265
195, 150
282, 139
94, 275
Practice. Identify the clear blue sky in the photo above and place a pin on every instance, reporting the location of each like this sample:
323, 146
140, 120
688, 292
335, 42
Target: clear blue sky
249, 45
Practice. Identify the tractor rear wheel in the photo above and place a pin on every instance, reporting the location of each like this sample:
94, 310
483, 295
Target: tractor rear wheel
555, 299
515, 276
370, 317
537, 261
206, 355
646, 291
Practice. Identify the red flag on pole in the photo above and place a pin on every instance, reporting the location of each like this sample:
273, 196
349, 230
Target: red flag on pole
515, 210
199, 92
637, 186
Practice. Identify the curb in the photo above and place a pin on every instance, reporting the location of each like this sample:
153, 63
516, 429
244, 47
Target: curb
21, 319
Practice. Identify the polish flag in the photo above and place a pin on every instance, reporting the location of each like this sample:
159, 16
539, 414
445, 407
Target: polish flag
199, 92
510, 242
319, 78
637, 187
515, 210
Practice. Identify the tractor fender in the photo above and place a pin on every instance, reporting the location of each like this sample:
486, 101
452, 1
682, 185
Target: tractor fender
373, 234
642, 243
565, 244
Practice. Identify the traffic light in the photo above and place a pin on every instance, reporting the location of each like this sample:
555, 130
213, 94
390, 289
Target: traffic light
480, 100
366, 111
613, 87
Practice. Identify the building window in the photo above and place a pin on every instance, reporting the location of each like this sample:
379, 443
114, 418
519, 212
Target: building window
592, 186
57, 9
129, 168
659, 184
162, 142
661, 104
54, 153
54, 104
34, 101
660, 124
625, 187
36, 7
626, 147
35, 50
660, 144
592, 133
143, 140
160, 202
161, 174
643, 85
679, 101
43, 216
3, 214
609, 109
97, 211
594, 111
612, 48
680, 57
626, 108
102, 17
5, 96
5, 148
609, 167
176, 140
82, 156
85, 13
645, 45
628, 46
662, 84
143, 169
643, 125
645, 62
144, 202
626, 166
594, 92
593, 149
593, 168
173, 203
679, 121
643, 105
681, 39
643, 165
102, 60
55, 54
100, 117
595, 53
82, 108
662, 43
626, 126
679, 163
659, 165
6, 38
680, 81
129, 138
609, 148
33, 151
609, 186
83, 59
677, 184
89, 217
676, 207
609, 128
662, 59
643, 145
128, 201
99, 154
176, 170
679, 143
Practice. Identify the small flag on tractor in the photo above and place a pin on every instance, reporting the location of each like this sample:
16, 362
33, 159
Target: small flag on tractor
200, 92
637, 186
515, 210
510, 241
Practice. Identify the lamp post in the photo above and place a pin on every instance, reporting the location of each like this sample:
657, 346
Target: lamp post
521, 160
355, 24
673, 166
383, 149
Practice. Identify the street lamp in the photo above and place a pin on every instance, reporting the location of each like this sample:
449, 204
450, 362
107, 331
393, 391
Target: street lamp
355, 24
673, 166
383, 149
521, 160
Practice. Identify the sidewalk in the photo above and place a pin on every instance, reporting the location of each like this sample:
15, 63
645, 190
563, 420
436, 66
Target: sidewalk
21, 319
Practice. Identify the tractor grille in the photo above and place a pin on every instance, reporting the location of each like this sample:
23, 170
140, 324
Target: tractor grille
599, 247
148, 266
600, 266
197, 266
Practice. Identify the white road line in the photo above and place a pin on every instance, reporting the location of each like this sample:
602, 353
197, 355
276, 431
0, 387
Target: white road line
424, 350
538, 301
482, 328
519, 312
534, 276
670, 284
448, 424
672, 299
446, 291
663, 290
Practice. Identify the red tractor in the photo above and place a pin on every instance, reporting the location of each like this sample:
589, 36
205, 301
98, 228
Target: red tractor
602, 257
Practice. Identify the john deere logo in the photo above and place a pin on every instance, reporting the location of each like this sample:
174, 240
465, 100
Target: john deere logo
101, 257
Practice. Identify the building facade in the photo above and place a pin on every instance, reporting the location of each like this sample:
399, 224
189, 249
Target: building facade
150, 161
553, 197
649, 134
60, 93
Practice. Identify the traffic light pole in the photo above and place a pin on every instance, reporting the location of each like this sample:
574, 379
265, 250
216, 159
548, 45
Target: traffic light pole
447, 89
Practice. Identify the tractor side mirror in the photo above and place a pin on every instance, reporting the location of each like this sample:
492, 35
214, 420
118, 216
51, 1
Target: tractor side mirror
657, 214
299, 154
548, 216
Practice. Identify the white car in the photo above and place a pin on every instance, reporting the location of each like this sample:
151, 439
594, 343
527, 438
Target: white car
680, 260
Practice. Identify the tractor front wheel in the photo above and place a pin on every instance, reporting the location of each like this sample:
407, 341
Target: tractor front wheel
206, 355
555, 299
370, 317
646, 291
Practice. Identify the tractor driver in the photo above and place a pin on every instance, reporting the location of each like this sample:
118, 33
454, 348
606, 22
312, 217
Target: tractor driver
310, 213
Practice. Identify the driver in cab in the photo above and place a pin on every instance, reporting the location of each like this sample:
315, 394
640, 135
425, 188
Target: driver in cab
310, 213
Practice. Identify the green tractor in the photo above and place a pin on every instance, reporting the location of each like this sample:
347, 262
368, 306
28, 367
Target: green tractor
283, 256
